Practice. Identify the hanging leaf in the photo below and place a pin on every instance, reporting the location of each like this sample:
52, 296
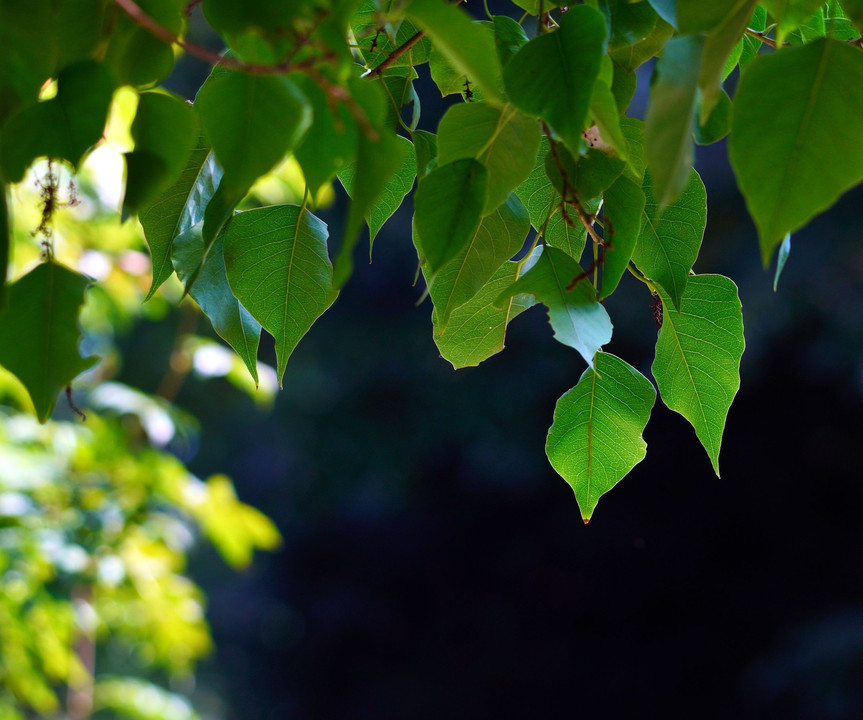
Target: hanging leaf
213, 294
670, 241
394, 191
66, 126
552, 77
179, 208
509, 38
698, 351
477, 329
448, 205
39, 332
498, 238
278, 268
501, 138
596, 436
558, 282
796, 141
668, 129
623, 212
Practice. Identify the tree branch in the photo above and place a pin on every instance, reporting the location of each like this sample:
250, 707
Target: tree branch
396, 54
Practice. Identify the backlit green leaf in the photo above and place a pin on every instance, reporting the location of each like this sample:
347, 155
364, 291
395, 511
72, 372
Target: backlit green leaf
278, 268
854, 10
623, 212
558, 282
698, 351
796, 141
213, 294
448, 204
509, 38
790, 14
552, 76
501, 138
39, 332
670, 240
596, 436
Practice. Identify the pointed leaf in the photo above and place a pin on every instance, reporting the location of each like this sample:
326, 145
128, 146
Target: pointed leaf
499, 237
468, 46
476, 330
668, 130
397, 186
596, 436
796, 140
501, 138
213, 294
509, 38
448, 205
577, 319
278, 268
179, 208
65, 126
552, 76
698, 351
39, 332
623, 210
784, 252
669, 242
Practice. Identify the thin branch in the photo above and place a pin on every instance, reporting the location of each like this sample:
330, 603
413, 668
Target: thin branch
396, 54
762, 36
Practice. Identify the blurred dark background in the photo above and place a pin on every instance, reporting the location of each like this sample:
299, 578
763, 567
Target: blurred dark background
435, 566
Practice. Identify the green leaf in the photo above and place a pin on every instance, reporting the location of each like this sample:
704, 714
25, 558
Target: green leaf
534, 6
796, 141
790, 14
4, 242
509, 38
278, 268
784, 252
448, 204
331, 140
476, 330
623, 211
623, 86
378, 159
165, 130
854, 10
596, 436
498, 238
502, 139
697, 16
468, 46
397, 186
718, 123
552, 77
630, 23
634, 56
39, 332
604, 112
587, 177
252, 122
179, 208
66, 126
668, 130
698, 351
213, 294
751, 45
425, 147
633, 130
558, 282
670, 241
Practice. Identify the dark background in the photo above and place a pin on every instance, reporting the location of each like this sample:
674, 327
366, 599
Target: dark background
435, 566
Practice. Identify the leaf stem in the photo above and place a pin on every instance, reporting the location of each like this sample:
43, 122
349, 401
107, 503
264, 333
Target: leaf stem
762, 36
395, 54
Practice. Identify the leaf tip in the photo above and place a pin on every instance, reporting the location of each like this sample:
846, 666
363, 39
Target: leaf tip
586, 520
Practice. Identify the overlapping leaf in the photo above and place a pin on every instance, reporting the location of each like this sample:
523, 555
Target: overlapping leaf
698, 351
278, 268
623, 211
596, 436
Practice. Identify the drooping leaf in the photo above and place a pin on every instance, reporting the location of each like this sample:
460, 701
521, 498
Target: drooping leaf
448, 204
476, 330
425, 148
277, 266
65, 126
630, 23
213, 294
552, 77
784, 252
633, 56
378, 159
39, 332
796, 141
668, 129
501, 138
596, 436
179, 208
790, 14
558, 282
397, 186
718, 124
623, 212
165, 130
698, 351
603, 111
498, 238
467, 46
670, 240
509, 38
